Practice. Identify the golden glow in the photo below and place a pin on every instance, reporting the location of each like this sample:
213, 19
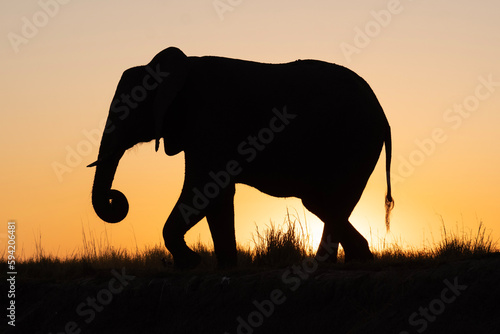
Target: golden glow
422, 61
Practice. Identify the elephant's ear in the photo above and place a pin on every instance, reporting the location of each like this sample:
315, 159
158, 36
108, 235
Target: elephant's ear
174, 62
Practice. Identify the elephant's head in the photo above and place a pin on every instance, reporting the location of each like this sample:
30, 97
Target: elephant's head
137, 114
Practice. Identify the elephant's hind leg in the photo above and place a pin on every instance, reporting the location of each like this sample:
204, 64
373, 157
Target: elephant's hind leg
334, 213
355, 245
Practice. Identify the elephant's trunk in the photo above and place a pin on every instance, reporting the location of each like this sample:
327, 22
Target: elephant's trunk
109, 204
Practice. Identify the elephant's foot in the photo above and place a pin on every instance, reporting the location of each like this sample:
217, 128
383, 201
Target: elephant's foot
327, 250
187, 260
327, 255
362, 254
184, 257
224, 263
355, 246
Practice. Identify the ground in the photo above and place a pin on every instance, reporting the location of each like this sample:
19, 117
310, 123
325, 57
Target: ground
454, 296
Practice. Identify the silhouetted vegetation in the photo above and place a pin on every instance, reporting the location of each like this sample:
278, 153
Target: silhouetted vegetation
275, 247
281, 246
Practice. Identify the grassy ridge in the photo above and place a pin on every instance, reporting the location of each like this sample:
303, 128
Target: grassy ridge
101, 289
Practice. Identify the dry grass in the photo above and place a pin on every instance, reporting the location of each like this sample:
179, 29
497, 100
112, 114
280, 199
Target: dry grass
464, 243
281, 246
275, 247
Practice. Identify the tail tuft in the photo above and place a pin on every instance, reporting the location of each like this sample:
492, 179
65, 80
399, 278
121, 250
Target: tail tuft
389, 205
389, 201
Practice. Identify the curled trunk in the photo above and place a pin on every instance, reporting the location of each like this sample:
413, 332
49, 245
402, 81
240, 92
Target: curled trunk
109, 204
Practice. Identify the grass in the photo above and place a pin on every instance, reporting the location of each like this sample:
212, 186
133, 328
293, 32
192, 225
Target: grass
275, 247
463, 243
281, 246
454, 244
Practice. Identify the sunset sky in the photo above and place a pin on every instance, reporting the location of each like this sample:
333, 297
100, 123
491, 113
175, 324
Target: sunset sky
434, 65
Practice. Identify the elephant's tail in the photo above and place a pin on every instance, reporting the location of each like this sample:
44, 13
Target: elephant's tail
389, 201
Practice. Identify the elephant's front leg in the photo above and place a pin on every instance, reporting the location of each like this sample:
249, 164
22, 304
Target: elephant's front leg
197, 200
220, 217
191, 207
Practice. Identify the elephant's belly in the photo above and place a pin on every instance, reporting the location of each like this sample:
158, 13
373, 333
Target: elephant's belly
276, 189
280, 182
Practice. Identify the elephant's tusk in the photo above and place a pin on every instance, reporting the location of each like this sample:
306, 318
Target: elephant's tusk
104, 158
94, 163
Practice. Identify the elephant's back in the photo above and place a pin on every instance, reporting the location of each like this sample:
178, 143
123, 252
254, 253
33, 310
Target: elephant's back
329, 107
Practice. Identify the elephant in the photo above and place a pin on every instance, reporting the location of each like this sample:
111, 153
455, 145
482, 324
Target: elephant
307, 129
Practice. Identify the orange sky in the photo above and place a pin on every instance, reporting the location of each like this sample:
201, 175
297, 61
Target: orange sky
434, 67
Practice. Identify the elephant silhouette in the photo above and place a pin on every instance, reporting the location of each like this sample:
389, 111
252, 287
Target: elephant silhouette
307, 129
